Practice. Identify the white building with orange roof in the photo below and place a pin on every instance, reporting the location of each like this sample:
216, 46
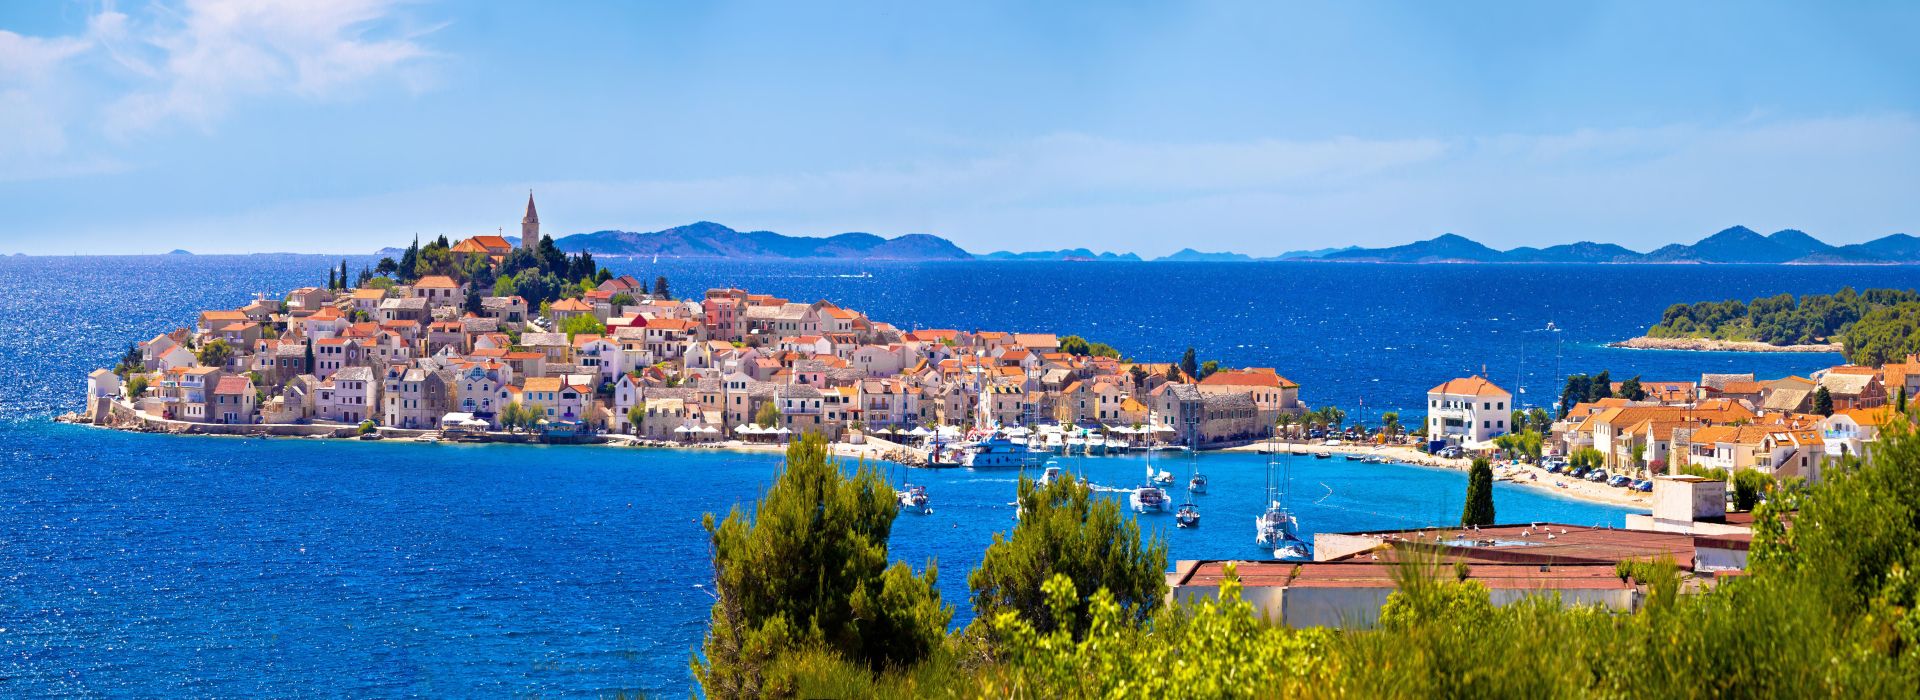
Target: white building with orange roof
558, 398
1852, 432
439, 290
1471, 410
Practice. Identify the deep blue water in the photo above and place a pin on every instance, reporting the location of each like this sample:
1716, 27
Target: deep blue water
177, 566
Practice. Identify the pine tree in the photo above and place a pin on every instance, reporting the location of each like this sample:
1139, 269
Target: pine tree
408, 262
808, 569
1823, 402
660, 290
1479, 507
1601, 387
1631, 390
1575, 392
1065, 530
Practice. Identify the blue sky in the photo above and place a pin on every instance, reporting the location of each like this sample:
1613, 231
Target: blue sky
346, 125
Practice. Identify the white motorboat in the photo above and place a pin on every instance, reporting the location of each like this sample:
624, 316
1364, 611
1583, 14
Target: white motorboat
913, 499
997, 451
1051, 475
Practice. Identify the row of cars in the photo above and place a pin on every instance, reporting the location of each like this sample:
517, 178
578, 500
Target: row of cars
1598, 475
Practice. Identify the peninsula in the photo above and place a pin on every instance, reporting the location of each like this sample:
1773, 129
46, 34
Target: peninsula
1870, 327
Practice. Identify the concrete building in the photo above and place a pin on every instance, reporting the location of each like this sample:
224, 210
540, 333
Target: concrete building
1471, 411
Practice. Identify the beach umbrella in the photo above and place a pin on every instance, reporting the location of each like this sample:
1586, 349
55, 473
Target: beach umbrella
781, 430
745, 429
708, 429
682, 429
920, 430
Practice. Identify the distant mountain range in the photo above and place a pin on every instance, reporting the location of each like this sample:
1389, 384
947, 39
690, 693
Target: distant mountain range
706, 239
1734, 245
1738, 244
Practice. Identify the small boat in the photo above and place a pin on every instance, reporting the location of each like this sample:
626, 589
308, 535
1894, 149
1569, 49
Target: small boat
1354, 456
1275, 529
1197, 484
1163, 478
1148, 499
1051, 475
1000, 451
913, 499
1187, 516
1323, 454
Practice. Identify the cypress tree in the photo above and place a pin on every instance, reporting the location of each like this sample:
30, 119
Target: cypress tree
1479, 507
309, 356
1823, 402
1189, 365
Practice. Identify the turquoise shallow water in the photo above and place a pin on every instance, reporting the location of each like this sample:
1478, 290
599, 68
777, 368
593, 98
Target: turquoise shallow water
174, 566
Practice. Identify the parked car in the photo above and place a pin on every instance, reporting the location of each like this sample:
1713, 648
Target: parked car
1597, 475
1619, 481
1579, 472
1644, 485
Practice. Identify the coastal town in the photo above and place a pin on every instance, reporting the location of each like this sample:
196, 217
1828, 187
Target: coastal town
441, 356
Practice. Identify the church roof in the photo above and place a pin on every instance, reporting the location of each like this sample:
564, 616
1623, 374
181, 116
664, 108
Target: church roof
533, 217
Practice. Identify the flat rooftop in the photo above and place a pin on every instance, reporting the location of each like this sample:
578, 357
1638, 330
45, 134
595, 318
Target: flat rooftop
1379, 574
1536, 543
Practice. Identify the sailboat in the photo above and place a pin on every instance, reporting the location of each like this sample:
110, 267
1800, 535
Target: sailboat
913, 498
1149, 498
1277, 528
1187, 516
1198, 483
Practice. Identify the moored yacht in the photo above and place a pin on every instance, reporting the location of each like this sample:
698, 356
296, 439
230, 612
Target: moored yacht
913, 499
1187, 516
1148, 499
998, 451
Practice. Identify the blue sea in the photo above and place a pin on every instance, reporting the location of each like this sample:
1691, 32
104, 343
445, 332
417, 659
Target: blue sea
158, 566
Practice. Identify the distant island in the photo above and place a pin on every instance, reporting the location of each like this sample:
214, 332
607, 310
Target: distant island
1735, 245
1870, 327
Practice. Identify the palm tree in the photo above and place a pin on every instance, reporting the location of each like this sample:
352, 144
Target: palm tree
1390, 424
1335, 417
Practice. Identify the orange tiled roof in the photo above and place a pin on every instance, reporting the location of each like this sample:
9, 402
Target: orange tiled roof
1471, 386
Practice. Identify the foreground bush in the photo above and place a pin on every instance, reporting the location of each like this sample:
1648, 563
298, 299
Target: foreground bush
1826, 610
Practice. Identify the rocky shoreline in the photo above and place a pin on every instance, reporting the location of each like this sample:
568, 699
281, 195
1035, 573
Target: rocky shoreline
1711, 345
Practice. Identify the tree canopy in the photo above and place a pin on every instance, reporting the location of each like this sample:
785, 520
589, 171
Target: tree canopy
808, 570
1781, 319
1065, 531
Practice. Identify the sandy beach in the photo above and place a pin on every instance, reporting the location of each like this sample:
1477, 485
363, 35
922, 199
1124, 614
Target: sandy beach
1522, 474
